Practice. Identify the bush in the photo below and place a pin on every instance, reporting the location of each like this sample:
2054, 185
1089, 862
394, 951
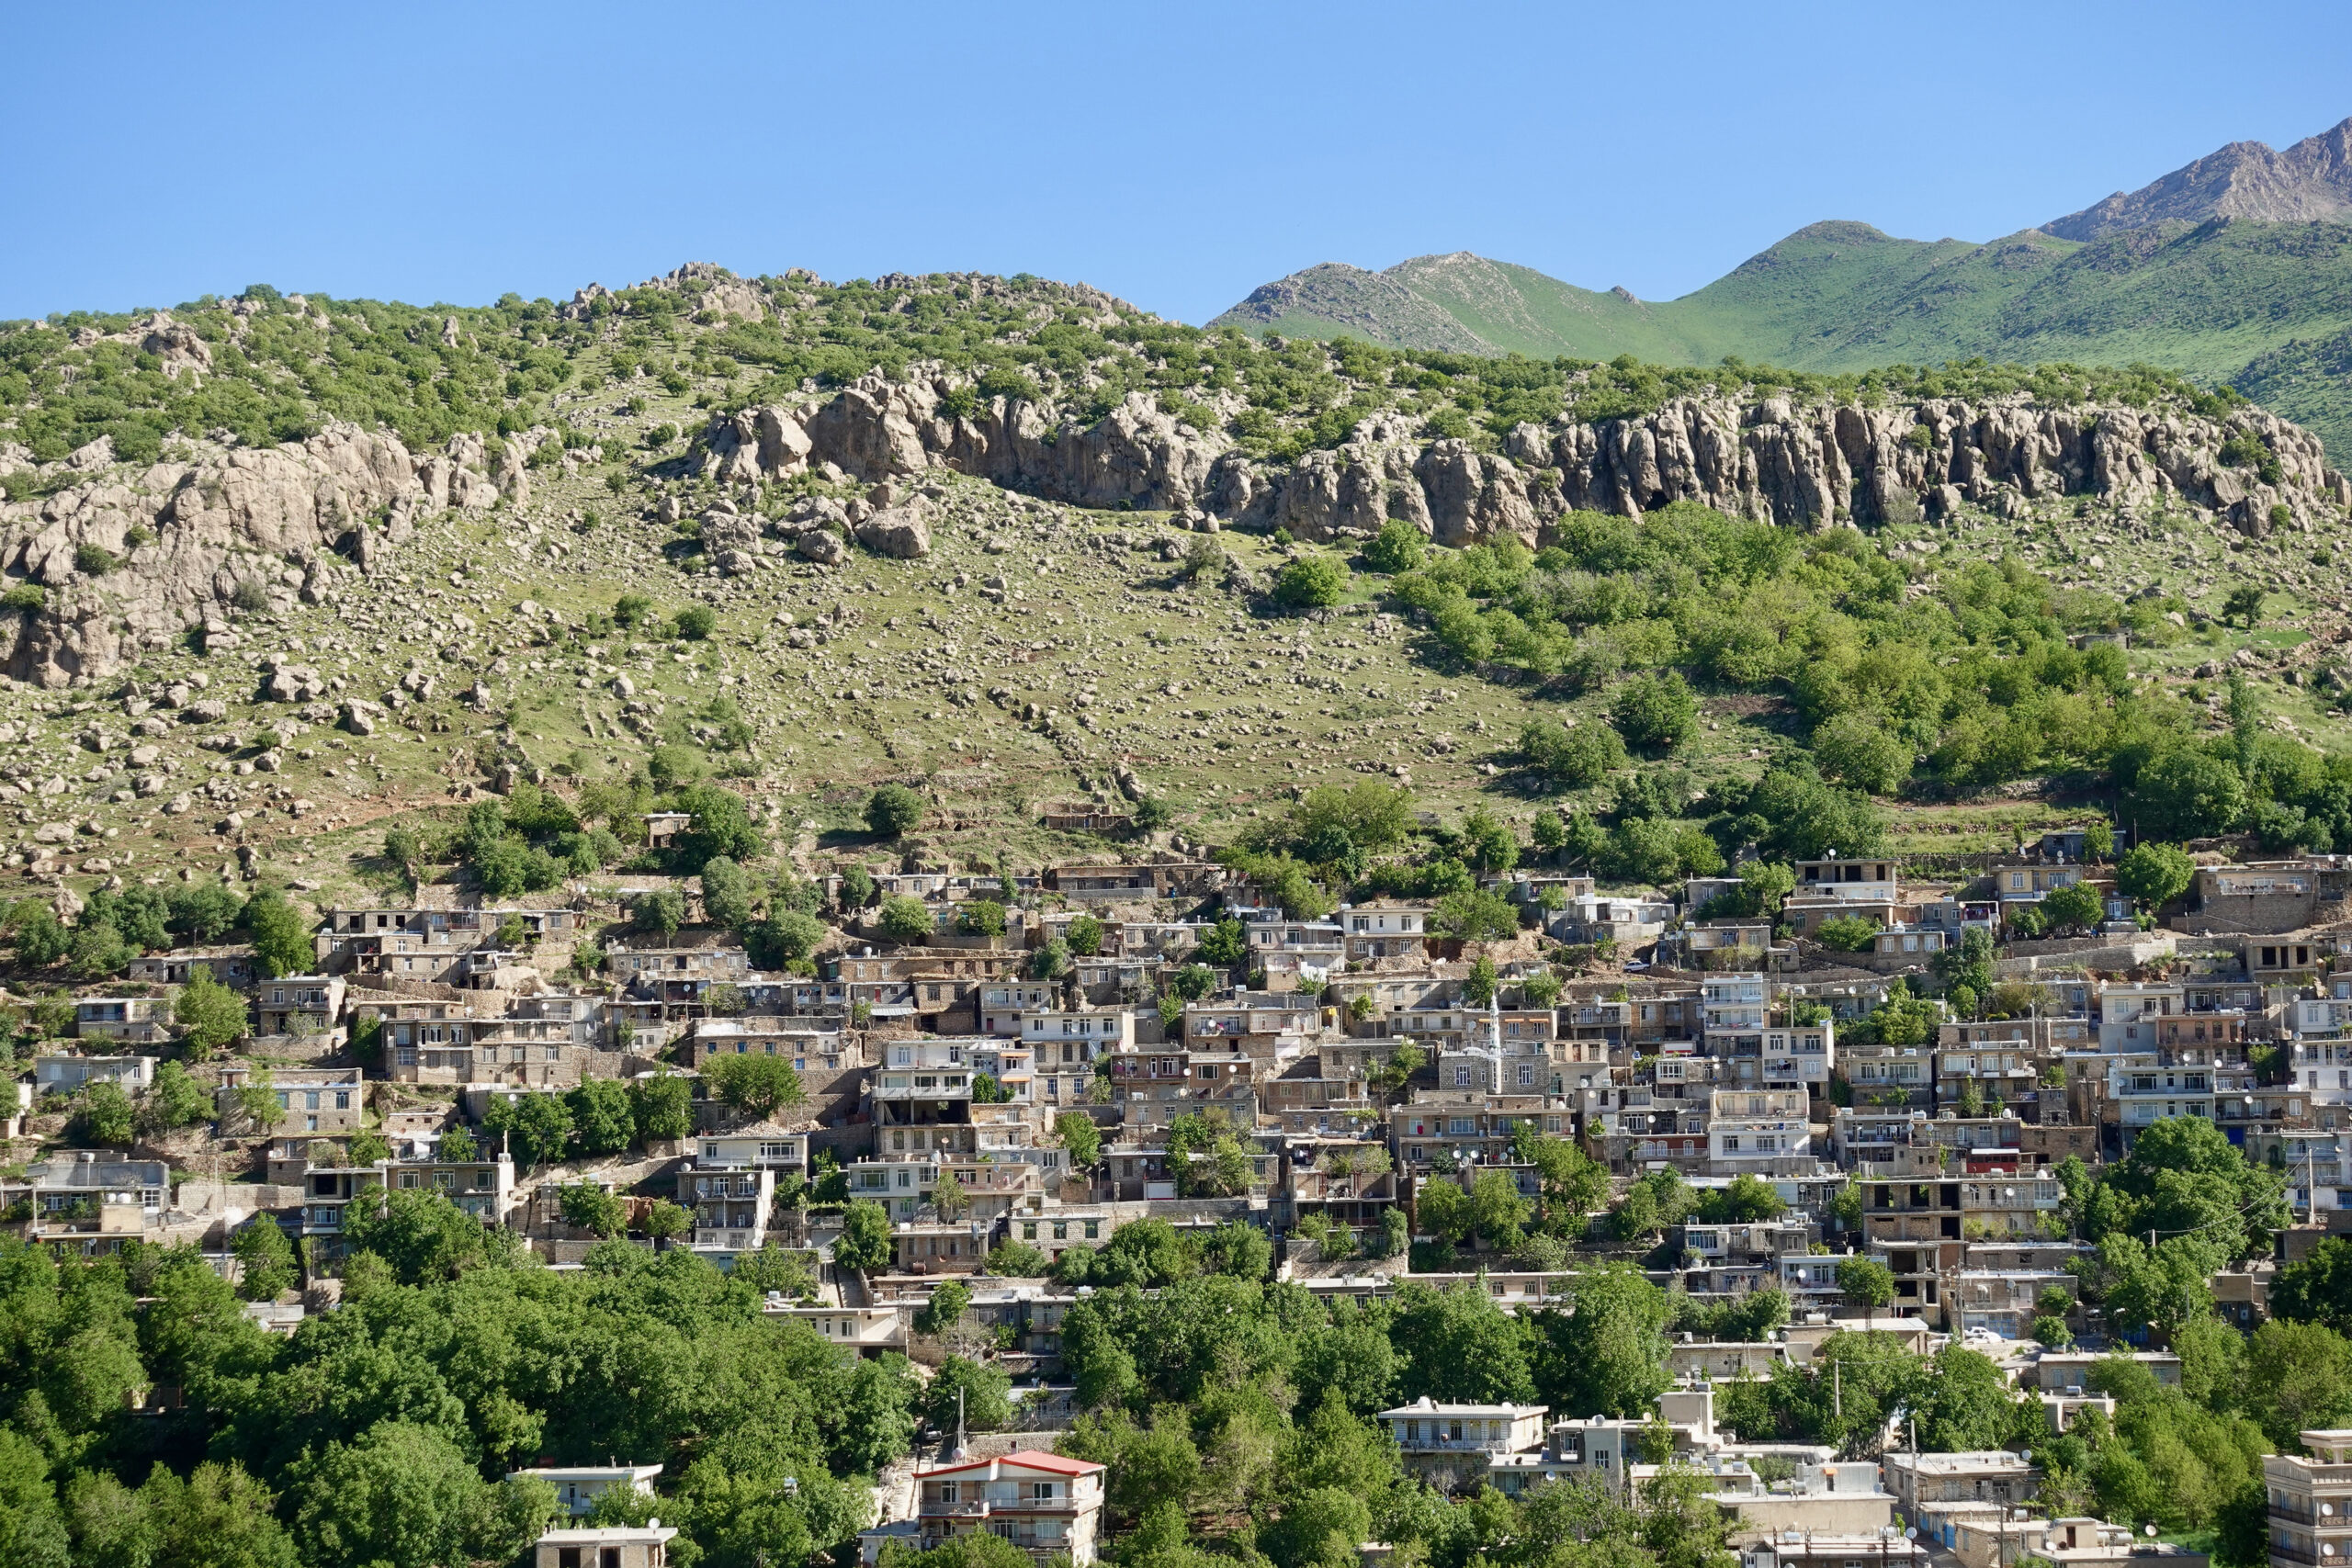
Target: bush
696, 621
632, 610
1847, 933
1311, 582
1863, 750
2154, 875
892, 810
980, 916
1656, 713
1396, 547
2186, 793
26, 597
1571, 759
97, 560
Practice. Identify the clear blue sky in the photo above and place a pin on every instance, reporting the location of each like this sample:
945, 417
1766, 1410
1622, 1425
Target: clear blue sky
1177, 156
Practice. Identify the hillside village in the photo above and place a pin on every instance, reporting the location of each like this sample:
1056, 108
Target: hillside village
934, 1124
1135, 946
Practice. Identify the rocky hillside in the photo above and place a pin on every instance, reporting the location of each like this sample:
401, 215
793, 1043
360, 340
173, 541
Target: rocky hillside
2246, 180
279, 569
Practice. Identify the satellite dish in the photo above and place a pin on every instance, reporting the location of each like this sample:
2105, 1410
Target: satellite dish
2151, 1530
1910, 1532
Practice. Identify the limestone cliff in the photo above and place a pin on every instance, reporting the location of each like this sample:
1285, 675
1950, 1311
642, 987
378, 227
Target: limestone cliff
1795, 464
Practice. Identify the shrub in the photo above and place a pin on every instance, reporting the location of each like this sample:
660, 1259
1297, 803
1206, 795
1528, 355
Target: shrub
980, 916
27, 597
1863, 750
632, 610
892, 810
1396, 547
251, 596
1655, 713
97, 560
1847, 933
1310, 583
1571, 759
696, 621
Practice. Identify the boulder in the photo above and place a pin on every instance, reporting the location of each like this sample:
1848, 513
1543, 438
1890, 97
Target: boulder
900, 531
823, 546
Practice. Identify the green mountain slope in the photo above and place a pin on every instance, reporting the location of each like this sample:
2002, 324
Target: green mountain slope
2221, 300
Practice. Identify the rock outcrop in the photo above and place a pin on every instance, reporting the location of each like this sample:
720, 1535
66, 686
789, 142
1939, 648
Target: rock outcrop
1800, 465
134, 558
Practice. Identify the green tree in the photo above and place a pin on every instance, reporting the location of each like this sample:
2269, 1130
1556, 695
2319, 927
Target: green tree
419, 1234
2243, 606
536, 1128
891, 810
404, 1496
663, 909
726, 896
661, 1106
1864, 750
717, 824
1571, 759
602, 1120
865, 1243
905, 919
264, 1259
1399, 547
773, 1269
2185, 794
175, 1100
980, 916
949, 1300
1606, 1354
1311, 582
106, 1115
1018, 1261
33, 1532
987, 1394
1865, 1284
696, 623
2154, 875
1225, 944
1847, 933
1084, 936
1079, 1138
1655, 714
590, 1207
281, 936
1458, 1345
759, 1082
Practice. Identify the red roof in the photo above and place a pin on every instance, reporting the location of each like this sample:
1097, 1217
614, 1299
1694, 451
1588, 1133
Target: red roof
1029, 1459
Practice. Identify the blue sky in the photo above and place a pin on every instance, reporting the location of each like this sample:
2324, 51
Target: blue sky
1176, 155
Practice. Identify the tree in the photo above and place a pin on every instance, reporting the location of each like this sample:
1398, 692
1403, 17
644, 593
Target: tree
726, 896
2077, 905
717, 824
905, 919
1746, 1200
1458, 1345
1225, 944
1864, 750
1847, 933
602, 1120
1019, 1261
865, 1243
264, 1258
1050, 962
1963, 1403
980, 916
419, 1234
32, 1534
536, 1127
1311, 582
760, 1083
1399, 547
891, 810
211, 1015
1571, 759
1655, 714
949, 1299
175, 1100
2243, 606
1865, 1284
663, 1107
772, 1269
1574, 1184
987, 1402
696, 623
1486, 841
2154, 875
105, 1116
1084, 936
403, 1495
282, 937
1478, 985
1607, 1355
663, 909
2185, 794
2297, 1378
590, 1207
1079, 1138
784, 938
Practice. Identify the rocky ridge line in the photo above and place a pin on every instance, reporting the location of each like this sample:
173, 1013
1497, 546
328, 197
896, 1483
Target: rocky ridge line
1769, 459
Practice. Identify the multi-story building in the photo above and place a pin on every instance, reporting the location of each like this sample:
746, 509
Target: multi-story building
2311, 1501
1042, 1503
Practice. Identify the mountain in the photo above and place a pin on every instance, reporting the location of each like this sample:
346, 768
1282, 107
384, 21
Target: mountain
2237, 269
2245, 179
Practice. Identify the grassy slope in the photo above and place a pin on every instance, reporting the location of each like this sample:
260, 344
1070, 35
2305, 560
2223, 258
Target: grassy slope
2210, 300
